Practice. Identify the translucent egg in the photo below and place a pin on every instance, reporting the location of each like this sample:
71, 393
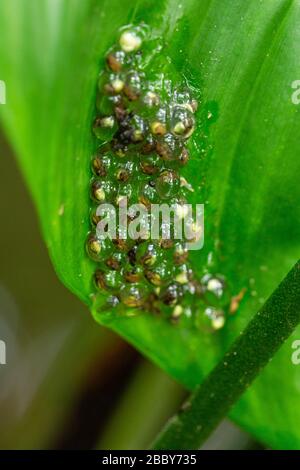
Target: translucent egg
101, 164
201, 320
98, 249
139, 129
149, 146
93, 247
94, 218
130, 41
132, 88
182, 122
146, 254
116, 261
151, 99
160, 274
169, 148
122, 244
183, 274
167, 184
217, 293
102, 190
122, 175
133, 295
101, 305
172, 294
112, 301
149, 193
108, 280
104, 127
116, 60
111, 85
177, 312
150, 164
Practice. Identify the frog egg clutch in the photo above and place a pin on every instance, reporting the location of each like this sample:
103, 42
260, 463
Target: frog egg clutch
142, 127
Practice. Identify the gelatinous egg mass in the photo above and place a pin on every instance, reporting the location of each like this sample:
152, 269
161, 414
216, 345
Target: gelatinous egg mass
142, 126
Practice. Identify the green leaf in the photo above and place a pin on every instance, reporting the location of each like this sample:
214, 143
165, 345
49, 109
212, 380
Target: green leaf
241, 57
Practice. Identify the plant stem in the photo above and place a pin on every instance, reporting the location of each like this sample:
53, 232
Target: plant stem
249, 354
